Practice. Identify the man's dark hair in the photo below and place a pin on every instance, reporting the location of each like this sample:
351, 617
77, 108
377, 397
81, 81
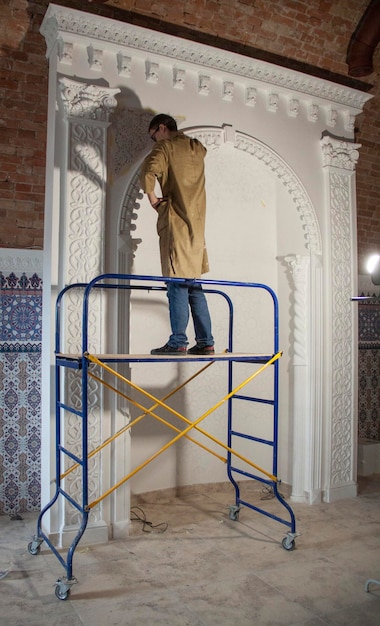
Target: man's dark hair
164, 119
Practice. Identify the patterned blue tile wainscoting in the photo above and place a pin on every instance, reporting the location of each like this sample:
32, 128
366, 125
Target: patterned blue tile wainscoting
20, 380
369, 371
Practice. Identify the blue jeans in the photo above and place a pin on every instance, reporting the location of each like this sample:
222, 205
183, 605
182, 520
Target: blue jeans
181, 296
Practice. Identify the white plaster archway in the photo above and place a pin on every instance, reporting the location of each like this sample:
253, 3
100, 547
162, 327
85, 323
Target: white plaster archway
304, 419
273, 114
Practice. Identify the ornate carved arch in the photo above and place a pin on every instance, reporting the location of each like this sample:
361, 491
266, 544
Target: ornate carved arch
213, 138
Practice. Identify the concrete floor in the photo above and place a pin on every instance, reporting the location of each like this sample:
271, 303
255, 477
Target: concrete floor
204, 569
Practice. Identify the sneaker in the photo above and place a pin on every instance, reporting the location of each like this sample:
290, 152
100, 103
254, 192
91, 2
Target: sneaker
166, 349
201, 350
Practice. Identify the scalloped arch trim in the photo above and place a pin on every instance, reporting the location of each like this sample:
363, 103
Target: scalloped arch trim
213, 138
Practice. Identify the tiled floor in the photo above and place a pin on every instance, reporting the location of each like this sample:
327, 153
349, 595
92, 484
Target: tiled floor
205, 569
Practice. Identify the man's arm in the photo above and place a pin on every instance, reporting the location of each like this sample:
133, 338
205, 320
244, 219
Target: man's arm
152, 168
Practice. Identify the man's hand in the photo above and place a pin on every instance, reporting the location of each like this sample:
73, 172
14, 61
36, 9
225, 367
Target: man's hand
154, 201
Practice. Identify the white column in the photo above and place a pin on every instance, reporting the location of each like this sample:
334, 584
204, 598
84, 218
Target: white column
306, 378
340, 354
299, 267
79, 205
86, 110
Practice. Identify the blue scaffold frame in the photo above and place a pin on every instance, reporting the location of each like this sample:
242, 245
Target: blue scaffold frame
81, 363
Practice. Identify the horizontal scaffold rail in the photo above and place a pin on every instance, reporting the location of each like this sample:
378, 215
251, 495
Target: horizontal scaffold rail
75, 360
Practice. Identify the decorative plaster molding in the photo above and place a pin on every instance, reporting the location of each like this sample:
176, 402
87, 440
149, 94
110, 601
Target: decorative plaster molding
15, 260
213, 138
87, 101
299, 266
124, 64
251, 96
95, 58
332, 116
85, 202
349, 122
151, 72
65, 51
204, 85
313, 113
273, 102
128, 138
342, 331
338, 153
340, 157
228, 91
73, 440
129, 215
71, 24
294, 107
178, 78
87, 108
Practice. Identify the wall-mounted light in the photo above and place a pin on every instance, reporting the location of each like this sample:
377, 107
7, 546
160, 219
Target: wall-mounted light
373, 268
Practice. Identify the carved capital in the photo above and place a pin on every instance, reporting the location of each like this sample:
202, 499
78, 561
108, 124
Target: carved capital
338, 153
86, 101
298, 265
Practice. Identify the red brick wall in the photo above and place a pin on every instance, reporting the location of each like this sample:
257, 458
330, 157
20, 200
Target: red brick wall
23, 104
313, 32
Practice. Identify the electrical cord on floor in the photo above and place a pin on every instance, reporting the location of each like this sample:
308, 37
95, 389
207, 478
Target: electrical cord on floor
267, 493
147, 527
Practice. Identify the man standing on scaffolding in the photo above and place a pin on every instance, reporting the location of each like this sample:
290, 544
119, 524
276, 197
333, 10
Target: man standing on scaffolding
177, 162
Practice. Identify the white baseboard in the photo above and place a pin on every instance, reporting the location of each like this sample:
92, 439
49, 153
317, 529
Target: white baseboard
332, 494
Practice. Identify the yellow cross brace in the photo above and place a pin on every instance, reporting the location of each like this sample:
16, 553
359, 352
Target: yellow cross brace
125, 428
184, 432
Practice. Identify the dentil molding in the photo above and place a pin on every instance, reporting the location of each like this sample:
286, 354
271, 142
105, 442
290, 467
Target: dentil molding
66, 27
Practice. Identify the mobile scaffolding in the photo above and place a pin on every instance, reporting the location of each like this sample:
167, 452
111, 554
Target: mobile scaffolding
84, 363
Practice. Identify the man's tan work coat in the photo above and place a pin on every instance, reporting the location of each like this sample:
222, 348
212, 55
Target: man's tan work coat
178, 164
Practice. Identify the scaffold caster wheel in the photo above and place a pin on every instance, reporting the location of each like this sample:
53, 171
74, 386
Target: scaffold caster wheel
34, 548
63, 587
234, 512
288, 543
61, 592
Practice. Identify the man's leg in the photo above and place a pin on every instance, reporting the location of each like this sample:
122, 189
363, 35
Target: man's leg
201, 317
178, 296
